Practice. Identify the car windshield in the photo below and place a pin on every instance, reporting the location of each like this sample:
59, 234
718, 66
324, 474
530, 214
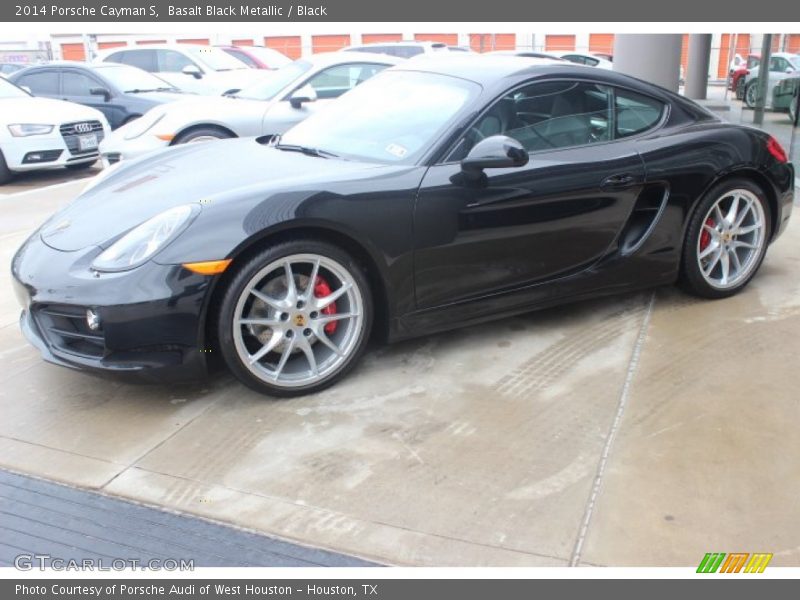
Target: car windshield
393, 118
130, 79
215, 59
271, 57
9, 90
795, 60
269, 88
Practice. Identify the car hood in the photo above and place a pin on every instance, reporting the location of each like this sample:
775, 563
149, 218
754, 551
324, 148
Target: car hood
161, 97
45, 110
214, 109
135, 191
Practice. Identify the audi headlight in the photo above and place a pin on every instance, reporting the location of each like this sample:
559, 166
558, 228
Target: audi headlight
142, 125
143, 241
26, 129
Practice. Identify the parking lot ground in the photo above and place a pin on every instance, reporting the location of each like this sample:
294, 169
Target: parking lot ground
646, 429
42, 518
33, 180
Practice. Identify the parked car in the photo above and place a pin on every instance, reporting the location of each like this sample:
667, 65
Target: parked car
40, 133
400, 49
293, 93
781, 66
6, 69
588, 59
737, 78
785, 96
443, 192
258, 57
120, 92
190, 67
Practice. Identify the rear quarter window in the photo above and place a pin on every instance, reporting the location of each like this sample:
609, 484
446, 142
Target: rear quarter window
635, 113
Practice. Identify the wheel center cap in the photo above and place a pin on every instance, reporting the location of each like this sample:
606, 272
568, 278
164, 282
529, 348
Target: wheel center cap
299, 320
727, 236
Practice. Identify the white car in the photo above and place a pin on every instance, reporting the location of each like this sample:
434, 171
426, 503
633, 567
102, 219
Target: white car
190, 67
401, 49
588, 59
782, 65
40, 133
525, 54
292, 93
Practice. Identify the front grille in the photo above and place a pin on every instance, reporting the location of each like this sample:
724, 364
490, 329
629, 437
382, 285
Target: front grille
71, 132
65, 329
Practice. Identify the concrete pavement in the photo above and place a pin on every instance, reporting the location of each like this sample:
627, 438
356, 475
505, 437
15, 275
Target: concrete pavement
645, 429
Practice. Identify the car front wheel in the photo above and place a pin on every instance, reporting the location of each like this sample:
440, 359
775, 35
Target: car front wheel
295, 318
726, 240
202, 134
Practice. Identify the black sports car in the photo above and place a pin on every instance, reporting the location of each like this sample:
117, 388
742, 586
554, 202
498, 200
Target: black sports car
440, 193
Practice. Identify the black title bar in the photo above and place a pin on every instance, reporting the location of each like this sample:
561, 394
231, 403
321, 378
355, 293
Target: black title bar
392, 10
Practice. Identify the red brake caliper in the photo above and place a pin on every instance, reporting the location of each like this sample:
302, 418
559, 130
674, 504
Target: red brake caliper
705, 237
322, 289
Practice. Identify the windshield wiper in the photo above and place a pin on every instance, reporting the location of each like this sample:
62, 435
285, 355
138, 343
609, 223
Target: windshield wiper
160, 89
307, 150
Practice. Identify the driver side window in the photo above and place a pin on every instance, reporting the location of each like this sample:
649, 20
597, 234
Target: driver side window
546, 115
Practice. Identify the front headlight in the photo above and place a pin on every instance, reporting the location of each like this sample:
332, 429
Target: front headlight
26, 129
143, 241
142, 125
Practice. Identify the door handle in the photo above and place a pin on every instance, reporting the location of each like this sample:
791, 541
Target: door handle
620, 180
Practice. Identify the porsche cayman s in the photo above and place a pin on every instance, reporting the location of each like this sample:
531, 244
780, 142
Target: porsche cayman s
441, 193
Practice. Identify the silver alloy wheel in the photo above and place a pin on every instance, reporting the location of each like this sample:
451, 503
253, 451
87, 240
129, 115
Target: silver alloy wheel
794, 106
731, 239
751, 95
288, 336
203, 138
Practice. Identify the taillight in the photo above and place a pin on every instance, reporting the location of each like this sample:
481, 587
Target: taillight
776, 150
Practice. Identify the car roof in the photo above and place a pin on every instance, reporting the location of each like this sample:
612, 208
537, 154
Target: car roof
497, 71
332, 58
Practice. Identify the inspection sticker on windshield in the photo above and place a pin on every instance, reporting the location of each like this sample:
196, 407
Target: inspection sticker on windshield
396, 150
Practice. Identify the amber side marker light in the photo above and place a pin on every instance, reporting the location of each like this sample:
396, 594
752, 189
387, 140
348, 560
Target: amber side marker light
208, 267
167, 137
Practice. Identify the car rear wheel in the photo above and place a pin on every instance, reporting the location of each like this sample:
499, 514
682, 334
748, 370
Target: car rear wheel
202, 134
295, 318
726, 240
740, 89
751, 94
5, 172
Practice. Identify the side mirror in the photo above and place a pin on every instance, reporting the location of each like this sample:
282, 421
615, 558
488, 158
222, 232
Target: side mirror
101, 91
303, 95
789, 70
192, 70
495, 152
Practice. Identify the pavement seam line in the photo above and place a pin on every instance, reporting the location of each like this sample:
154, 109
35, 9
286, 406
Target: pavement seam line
612, 434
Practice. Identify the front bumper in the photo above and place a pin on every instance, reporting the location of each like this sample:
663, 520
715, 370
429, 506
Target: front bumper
150, 317
116, 148
37, 152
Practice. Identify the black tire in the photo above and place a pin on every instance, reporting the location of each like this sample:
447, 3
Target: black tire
794, 108
740, 89
751, 94
5, 172
80, 166
196, 134
236, 287
691, 277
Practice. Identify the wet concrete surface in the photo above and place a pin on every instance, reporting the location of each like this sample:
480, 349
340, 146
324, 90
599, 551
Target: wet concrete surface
646, 429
